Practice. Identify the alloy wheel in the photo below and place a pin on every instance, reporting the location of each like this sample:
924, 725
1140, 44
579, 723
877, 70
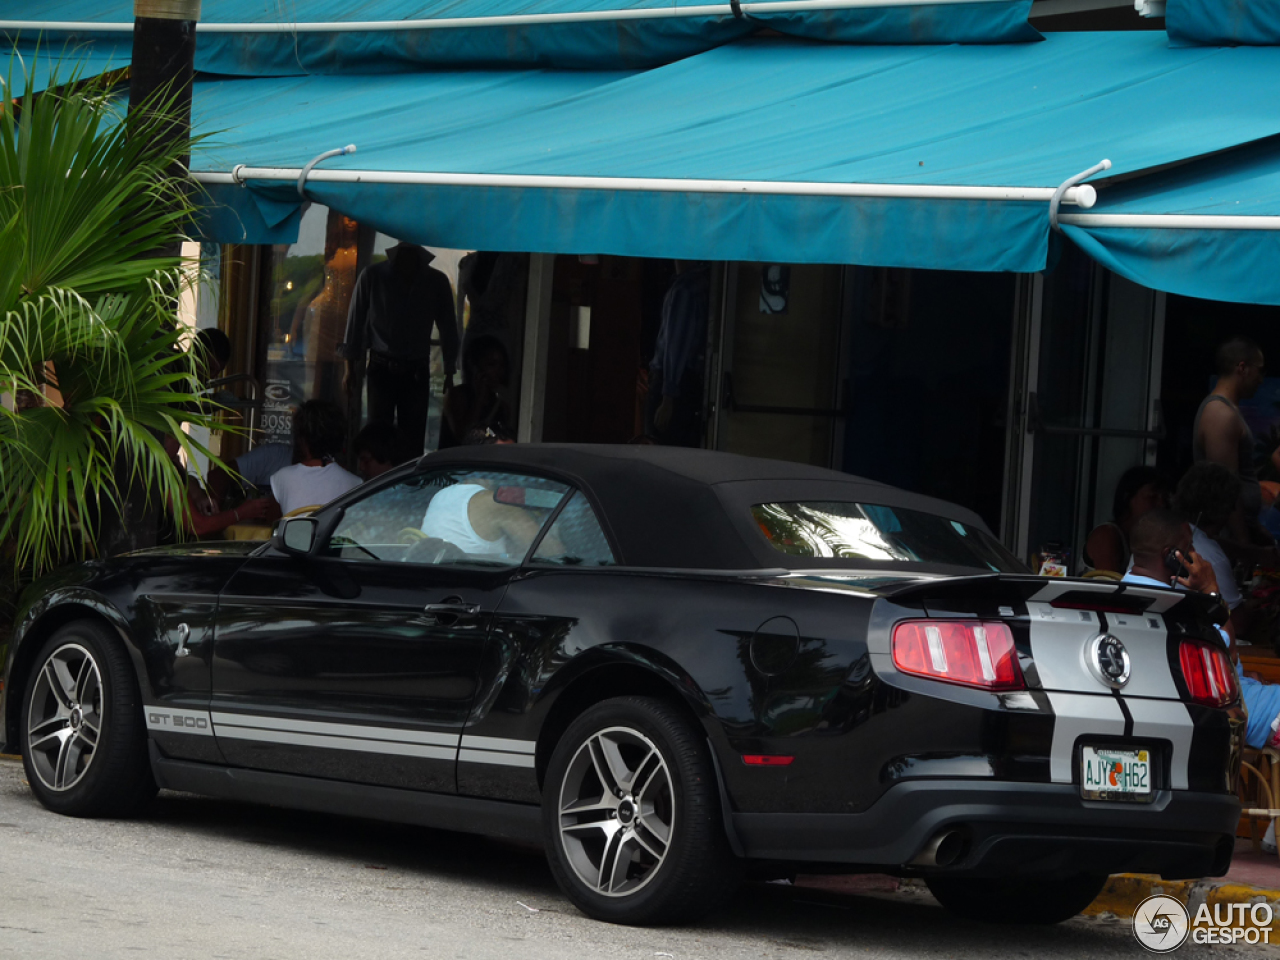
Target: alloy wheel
65, 718
616, 811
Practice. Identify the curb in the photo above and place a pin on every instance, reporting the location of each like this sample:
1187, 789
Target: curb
1119, 899
1124, 891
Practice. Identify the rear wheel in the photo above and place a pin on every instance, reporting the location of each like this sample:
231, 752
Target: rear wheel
631, 812
1017, 900
83, 741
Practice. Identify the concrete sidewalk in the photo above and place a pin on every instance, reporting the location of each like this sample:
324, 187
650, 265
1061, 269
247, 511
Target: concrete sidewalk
1253, 878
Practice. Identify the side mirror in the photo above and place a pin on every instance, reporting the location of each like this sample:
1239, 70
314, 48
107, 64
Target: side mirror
297, 536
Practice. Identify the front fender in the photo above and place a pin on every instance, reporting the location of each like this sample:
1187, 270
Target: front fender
39, 616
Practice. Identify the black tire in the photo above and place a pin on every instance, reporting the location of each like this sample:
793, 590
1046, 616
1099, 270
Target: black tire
82, 680
672, 788
1017, 900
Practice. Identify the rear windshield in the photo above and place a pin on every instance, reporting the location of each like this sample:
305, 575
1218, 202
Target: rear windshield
864, 531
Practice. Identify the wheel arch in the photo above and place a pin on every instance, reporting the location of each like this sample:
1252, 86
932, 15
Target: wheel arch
54, 612
617, 671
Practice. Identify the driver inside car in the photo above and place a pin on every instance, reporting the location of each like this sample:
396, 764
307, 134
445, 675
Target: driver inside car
472, 517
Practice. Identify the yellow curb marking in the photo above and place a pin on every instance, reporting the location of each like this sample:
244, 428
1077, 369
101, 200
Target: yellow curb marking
1123, 893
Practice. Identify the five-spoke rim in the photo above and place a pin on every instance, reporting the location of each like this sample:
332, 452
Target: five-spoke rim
617, 811
65, 719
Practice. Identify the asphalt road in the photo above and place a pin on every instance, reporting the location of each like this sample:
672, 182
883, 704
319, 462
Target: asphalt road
200, 879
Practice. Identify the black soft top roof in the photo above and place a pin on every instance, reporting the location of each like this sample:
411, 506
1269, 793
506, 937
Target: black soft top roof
685, 508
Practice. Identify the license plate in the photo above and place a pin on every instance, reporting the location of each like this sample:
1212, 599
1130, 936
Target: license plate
1111, 774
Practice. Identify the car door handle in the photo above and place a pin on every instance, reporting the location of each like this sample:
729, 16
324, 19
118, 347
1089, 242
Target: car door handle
451, 607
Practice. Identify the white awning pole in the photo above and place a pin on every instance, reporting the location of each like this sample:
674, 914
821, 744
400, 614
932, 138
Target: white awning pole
1171, 221
446, 23
1070, 184
1083, 197
302, 177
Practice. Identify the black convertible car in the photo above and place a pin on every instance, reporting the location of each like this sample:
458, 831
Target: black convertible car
671, 667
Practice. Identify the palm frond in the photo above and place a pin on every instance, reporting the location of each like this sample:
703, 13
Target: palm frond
88, 195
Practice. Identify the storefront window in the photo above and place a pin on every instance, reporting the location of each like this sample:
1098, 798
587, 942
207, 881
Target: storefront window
311, 284
311, 287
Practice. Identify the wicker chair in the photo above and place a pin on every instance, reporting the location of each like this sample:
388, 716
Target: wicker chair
1259, 789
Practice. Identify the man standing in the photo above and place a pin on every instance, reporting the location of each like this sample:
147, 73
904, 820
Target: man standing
393, 308
1220, 434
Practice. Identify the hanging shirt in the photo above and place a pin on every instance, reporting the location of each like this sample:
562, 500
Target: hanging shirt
683, 336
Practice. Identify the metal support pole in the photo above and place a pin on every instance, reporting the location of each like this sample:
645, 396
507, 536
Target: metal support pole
537, 338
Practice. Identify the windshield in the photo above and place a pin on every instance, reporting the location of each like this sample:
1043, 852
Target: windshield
863, 531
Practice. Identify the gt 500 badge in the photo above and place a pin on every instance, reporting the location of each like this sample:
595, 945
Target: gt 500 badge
174, 720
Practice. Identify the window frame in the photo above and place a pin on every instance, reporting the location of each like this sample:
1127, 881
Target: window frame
328, 526
551, 520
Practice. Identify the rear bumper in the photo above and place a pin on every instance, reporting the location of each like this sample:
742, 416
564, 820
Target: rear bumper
1007, 828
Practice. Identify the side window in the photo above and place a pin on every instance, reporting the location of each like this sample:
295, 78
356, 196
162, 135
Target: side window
575, 539
458, 517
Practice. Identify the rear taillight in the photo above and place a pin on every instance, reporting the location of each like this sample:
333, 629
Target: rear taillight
1211, 679
976, 654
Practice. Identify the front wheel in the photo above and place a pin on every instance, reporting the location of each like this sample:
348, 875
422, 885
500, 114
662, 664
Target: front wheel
1017, 900
631, 813
83, 738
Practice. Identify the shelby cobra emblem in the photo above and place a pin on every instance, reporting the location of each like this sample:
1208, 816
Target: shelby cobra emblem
1108, 660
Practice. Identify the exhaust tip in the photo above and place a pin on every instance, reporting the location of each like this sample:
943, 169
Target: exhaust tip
946, 848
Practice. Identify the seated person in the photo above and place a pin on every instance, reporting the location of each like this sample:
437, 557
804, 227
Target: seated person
1139, 489
378, 448
468, 516
1206, 496
1163, 557
255, 467
204, 523
315, 478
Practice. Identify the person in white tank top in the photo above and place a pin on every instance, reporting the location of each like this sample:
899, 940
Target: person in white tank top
468, 516
449, 518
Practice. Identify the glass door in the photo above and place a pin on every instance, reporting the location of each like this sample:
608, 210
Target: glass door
1085, 403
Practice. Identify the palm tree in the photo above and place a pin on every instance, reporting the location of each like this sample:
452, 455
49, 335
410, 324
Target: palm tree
87, 306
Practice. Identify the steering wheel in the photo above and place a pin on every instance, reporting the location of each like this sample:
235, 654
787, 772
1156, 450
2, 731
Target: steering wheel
433, 550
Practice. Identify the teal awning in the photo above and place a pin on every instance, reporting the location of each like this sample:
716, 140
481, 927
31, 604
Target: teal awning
1208, 229
938, 157
253, 38
31, 66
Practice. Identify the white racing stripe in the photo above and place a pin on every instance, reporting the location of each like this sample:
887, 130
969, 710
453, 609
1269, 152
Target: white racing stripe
1060, 640
1077, 715
1168, 720
498, 751
356, 737
325, 728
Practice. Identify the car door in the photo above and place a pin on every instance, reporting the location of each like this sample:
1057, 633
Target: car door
360, 662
